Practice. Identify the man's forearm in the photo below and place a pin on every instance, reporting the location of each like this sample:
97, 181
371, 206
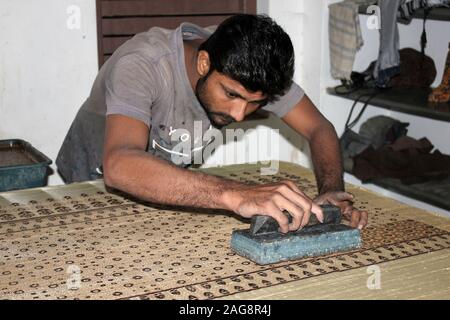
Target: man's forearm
327, 160
149, 178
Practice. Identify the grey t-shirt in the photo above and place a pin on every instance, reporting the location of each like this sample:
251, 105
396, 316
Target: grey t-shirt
145, 79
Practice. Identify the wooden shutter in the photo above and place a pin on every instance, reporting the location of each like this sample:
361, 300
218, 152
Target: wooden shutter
119, 20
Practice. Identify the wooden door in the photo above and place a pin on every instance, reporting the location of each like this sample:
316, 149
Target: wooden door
119, 20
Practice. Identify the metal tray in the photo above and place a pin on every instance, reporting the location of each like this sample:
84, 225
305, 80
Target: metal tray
22, 166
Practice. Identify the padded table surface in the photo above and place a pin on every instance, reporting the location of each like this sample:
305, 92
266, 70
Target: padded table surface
79, 241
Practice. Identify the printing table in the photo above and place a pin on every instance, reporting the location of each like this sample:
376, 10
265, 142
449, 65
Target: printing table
79, 241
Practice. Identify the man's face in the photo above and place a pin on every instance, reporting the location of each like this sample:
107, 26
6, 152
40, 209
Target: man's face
226, 100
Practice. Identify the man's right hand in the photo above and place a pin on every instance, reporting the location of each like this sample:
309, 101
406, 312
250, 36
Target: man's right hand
271, 200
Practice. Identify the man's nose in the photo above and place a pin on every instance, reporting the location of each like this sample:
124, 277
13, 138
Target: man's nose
238, 112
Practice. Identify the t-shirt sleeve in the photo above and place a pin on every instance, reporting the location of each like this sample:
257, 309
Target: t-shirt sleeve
286, 102
131, 88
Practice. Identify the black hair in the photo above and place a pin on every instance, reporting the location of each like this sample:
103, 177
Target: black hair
255, 51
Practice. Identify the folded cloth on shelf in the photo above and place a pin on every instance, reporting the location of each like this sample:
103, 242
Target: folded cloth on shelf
407, 159
383, 130
374, 132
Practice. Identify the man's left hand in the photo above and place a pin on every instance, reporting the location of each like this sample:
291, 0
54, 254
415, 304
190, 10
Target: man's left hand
344, 200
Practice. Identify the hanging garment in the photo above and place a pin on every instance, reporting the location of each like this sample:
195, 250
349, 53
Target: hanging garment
344, 36
388, 61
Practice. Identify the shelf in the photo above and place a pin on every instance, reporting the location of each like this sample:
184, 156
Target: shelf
438, 13
413, 102
436, 193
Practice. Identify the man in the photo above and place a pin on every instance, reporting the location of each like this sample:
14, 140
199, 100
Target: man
163, 80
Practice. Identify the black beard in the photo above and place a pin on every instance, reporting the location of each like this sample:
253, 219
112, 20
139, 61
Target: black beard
199, 93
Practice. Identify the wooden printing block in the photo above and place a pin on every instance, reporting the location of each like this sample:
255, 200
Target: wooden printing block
265, 245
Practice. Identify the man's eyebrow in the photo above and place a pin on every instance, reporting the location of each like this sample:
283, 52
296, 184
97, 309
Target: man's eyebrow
240, 96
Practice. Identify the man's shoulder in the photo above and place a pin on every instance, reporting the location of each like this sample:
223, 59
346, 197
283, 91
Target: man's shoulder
153, 44
287, 101
149, 54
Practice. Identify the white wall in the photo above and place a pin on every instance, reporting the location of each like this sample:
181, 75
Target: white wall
46, 69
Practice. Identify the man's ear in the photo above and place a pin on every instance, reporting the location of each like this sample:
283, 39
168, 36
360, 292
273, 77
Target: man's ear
203, 63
